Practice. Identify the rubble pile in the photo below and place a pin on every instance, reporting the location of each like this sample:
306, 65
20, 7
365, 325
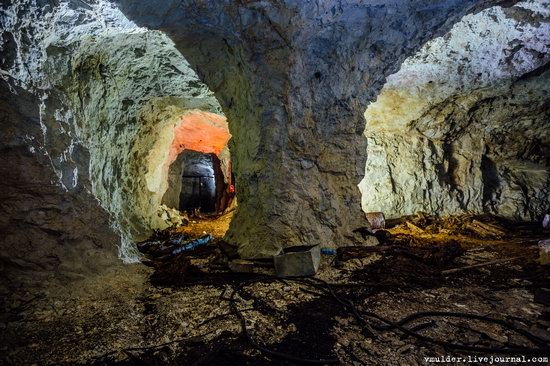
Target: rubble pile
169, 253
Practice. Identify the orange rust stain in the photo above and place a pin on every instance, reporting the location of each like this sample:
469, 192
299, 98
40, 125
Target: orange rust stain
200, 131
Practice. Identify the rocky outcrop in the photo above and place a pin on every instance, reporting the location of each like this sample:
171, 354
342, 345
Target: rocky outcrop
49, 235
463, 125
171, 197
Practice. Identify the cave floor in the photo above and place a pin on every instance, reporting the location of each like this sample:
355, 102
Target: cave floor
119, 317
214, 225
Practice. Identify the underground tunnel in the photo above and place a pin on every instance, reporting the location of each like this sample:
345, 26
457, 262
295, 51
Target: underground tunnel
277, 182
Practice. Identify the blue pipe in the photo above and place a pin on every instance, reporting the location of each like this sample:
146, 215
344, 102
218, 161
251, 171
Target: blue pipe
203, 240
328, 251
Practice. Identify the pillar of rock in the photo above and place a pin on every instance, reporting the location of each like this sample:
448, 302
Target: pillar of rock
294, 79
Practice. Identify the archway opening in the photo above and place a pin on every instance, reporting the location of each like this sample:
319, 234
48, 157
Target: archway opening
461, 127
198, 184
198, 188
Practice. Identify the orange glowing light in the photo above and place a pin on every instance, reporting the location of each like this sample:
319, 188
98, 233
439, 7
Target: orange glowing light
200, 131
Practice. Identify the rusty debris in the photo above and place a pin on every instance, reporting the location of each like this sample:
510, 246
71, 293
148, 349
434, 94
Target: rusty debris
376, 220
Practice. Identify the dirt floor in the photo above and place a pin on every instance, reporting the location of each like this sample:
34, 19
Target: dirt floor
348, 314
217, 225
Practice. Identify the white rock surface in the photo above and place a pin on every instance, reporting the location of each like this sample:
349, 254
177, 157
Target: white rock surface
294, 78
111, 94
463, 125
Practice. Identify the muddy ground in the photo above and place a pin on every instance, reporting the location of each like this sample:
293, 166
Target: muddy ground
121, 318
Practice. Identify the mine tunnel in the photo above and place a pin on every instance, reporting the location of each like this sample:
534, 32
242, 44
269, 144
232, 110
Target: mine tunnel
199, 175
274, 183
197, 183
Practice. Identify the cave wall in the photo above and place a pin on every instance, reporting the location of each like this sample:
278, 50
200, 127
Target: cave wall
463, 125
141, 105
171, 197
110, 95
294, 79
48, 236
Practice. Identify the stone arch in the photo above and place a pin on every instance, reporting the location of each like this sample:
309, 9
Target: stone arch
294, 78
111, 96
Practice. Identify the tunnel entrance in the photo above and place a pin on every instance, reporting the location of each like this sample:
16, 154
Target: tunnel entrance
199, 197
203, 187
199, 177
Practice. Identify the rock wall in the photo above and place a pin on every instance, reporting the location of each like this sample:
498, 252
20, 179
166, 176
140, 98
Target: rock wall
463, 125
49, 236
129, 109
109, 96
171, 197
294, 78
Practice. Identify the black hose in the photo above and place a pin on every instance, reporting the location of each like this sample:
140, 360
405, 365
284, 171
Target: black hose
508, 350
544, 350
326, 289
275, 354
502, 323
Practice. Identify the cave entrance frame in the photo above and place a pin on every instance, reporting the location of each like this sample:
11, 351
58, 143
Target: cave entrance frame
199, 152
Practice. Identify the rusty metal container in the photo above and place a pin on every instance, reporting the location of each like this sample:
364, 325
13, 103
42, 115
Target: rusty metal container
376, 220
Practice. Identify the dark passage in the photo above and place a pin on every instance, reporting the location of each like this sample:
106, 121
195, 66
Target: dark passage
201, 183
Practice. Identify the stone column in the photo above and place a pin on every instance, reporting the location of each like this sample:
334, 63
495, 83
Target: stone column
294, 79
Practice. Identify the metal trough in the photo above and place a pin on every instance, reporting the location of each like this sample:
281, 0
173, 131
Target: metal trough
298, 261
